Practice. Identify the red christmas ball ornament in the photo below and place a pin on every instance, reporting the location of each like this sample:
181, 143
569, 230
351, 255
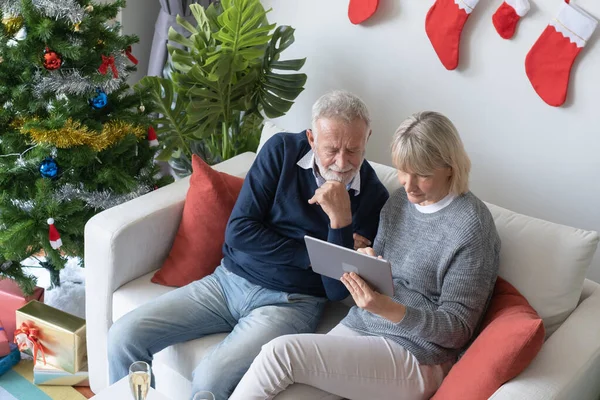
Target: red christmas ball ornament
52, 60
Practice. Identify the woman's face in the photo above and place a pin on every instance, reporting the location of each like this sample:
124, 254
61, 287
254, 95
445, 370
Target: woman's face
426, 189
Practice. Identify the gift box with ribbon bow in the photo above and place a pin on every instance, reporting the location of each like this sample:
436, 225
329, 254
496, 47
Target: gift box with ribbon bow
53, 337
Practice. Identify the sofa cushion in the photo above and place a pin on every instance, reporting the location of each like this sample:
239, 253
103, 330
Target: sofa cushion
269, 129
387, 175
546, 262
512, 335
184, 357
197, 249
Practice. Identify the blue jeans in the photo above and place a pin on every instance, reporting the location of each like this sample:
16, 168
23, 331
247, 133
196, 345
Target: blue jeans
221, 302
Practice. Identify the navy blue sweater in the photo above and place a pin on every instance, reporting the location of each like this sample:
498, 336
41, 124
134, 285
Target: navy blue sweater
264, 239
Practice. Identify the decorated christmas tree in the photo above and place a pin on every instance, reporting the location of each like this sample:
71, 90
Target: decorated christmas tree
73, 134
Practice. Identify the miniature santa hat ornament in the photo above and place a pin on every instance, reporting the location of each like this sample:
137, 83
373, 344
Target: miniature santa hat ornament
53, 235
152, 138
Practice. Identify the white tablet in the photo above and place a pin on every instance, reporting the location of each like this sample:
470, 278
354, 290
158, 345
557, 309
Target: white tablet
333, 261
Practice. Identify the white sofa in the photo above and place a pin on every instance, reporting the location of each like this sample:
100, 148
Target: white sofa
545, 261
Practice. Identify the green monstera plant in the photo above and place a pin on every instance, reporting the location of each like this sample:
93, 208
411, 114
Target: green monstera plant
227, 77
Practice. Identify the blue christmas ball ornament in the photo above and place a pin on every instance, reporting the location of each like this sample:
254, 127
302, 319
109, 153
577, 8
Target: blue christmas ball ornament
49, 168
100, 101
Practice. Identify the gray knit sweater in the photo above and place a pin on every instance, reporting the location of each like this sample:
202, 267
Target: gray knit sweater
444, 267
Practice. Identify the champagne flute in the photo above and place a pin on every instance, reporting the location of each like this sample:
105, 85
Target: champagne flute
204, 396
139, 379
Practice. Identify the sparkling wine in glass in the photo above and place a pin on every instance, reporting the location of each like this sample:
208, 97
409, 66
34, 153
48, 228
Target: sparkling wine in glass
139, 379
204, 396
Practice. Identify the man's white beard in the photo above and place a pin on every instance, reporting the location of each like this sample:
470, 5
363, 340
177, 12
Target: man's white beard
333, 173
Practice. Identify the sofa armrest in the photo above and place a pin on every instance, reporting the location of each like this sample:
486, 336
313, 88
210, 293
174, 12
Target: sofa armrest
122, 244
568, 365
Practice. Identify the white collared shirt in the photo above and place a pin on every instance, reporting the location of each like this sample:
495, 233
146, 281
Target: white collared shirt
308, 162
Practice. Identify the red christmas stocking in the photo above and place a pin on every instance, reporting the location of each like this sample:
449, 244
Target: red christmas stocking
444, 24
361, 10
548, 63
507, 15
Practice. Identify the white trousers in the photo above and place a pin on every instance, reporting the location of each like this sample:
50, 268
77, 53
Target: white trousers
341, 364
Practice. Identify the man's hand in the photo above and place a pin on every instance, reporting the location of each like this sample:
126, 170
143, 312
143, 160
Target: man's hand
360, 241
368, 251
334, 199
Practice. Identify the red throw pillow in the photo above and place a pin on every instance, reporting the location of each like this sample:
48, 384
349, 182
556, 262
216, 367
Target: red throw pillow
198, 246
512, 335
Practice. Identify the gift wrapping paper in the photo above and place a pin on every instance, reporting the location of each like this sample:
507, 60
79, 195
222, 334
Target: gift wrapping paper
4, 347
57, 337
47, 375
11, 299
9, 361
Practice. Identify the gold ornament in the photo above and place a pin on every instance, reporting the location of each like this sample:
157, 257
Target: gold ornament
89, 8
142, 108
77, 27
73, 133
12, 23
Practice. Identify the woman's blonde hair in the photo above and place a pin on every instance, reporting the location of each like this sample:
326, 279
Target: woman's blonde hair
426, 141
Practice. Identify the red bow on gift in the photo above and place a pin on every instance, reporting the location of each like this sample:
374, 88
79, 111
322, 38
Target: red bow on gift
130, 56
32, 335
106, 63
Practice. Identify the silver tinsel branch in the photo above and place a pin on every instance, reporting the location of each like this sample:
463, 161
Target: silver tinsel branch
71, 82
25, 205
10, 7
67, 9
99, 200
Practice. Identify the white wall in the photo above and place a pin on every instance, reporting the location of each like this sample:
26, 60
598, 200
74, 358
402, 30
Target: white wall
138, 18
527, 156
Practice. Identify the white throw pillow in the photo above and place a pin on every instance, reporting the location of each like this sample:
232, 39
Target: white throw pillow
269, 129
546, 262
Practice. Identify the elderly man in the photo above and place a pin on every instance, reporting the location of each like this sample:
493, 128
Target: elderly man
314, 183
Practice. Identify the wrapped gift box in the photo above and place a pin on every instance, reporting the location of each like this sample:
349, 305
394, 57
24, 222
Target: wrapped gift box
4, 347
47, 375
9, 361
11, 298
52, 335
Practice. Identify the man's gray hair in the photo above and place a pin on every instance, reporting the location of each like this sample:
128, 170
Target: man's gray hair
340, 104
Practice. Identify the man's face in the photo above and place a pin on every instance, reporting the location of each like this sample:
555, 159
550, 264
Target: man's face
339, 147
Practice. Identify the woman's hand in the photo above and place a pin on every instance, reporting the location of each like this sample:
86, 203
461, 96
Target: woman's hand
371, 300
364, 297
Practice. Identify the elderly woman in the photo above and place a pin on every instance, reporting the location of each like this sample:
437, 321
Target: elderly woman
443, 246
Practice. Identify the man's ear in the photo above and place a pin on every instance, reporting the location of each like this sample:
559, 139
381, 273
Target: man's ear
369, 134
311, 138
